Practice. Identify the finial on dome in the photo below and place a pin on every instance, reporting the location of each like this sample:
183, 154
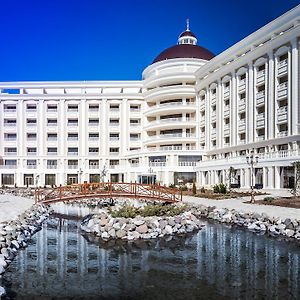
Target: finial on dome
187, 24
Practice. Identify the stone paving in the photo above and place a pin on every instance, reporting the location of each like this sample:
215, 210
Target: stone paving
240, 205
12, 206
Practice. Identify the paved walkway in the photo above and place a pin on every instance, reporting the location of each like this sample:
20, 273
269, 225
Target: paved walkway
239, 204
12, 206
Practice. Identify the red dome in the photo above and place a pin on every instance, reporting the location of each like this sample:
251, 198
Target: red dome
184, 51
187, 33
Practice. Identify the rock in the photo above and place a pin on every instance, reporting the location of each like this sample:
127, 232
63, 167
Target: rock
3, 263
287, 222
117, 226
2, 269
168, 229
142, 228
2, 292
103, 221
252, 226
171, 222
105, 235
112, 233
162, 224
138, 222
121, 233
15, 244
289, 232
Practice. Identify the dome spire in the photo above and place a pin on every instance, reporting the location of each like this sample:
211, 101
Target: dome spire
187, 37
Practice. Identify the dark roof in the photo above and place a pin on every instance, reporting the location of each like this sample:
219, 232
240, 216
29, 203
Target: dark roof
184, 51
187, 33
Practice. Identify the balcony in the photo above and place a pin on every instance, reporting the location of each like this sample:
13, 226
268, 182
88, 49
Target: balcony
73, 153
282, 90
260, 78
282, 67
242, 125
242, 85
54, 153
282, 133
73, 167
226, 93
52, 167
31, 166
8, 166
92, 153
226, 111
260, 98
114, 139
72, 110
226, 129
171, 107
51, 139
202, 105
260, 121
52, 110
157, 164
10, 153
134, 165
242, 142
260, 138
31, 110
213, 115
94, 167
8, 110
282, 114
10, 139
187, 163
213, 133
31, 153
213, 99
10, 124
242, 105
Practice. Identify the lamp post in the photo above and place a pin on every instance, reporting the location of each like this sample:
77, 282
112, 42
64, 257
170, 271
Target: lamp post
252, 161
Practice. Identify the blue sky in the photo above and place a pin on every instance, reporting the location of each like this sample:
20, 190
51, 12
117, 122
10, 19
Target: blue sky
116, 40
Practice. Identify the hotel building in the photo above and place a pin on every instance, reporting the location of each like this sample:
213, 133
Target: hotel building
191, 117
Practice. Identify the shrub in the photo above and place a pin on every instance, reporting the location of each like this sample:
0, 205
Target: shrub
269, 199
216, 188
220, 188
172, 186
148, 211
202, 190
126, 211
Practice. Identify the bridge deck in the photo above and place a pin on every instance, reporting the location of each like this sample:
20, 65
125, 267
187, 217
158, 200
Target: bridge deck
108, 190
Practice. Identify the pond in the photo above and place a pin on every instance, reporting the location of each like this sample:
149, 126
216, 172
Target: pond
218, 262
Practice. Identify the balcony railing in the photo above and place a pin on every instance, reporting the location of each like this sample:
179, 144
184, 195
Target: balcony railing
93, 167
9, 110
282, 66
260, 76
187, 163
8, 166
52, 153
31, 166
10, 124
72, 167
51, 166
282, 133
10, 153
157, 164
73, 153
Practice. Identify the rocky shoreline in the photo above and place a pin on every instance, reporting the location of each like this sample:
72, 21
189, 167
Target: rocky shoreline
252, 221
15, 234
105, 226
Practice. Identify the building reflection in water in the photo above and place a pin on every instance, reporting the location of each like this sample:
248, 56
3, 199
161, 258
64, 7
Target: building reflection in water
218, 261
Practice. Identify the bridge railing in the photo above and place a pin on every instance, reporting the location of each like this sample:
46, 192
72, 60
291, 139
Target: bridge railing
108, 190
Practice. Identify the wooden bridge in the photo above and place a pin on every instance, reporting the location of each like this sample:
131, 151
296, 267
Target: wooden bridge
108, 190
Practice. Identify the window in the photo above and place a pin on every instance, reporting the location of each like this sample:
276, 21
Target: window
31, 107
72, 122
134, 136
135, 108
72, 151
10, 108
51, 163
31, 136
93, 107
93, 136
52, 122
135, 122
10, 136
10, 151
93, 150
52, 150
114, 137
28, 179
114, 107
50, 179
114, 150
51, 108
94, 122
52, 136
283, 57
8, 179
243, 76
72, 107
31, 151
114, 122
31, 122
72, 136
73, 162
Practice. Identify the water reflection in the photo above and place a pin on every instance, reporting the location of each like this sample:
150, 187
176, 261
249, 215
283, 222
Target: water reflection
218, 262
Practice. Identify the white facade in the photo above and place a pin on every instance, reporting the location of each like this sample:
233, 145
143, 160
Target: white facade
188, 118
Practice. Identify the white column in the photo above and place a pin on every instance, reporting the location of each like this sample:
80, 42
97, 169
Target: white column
265, 177
294, 87
219, 115
277, 178
251, 106
271, 177
270, 97
234, 111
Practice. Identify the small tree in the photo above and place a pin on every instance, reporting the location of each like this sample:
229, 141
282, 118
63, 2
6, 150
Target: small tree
194, 188
296, 189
